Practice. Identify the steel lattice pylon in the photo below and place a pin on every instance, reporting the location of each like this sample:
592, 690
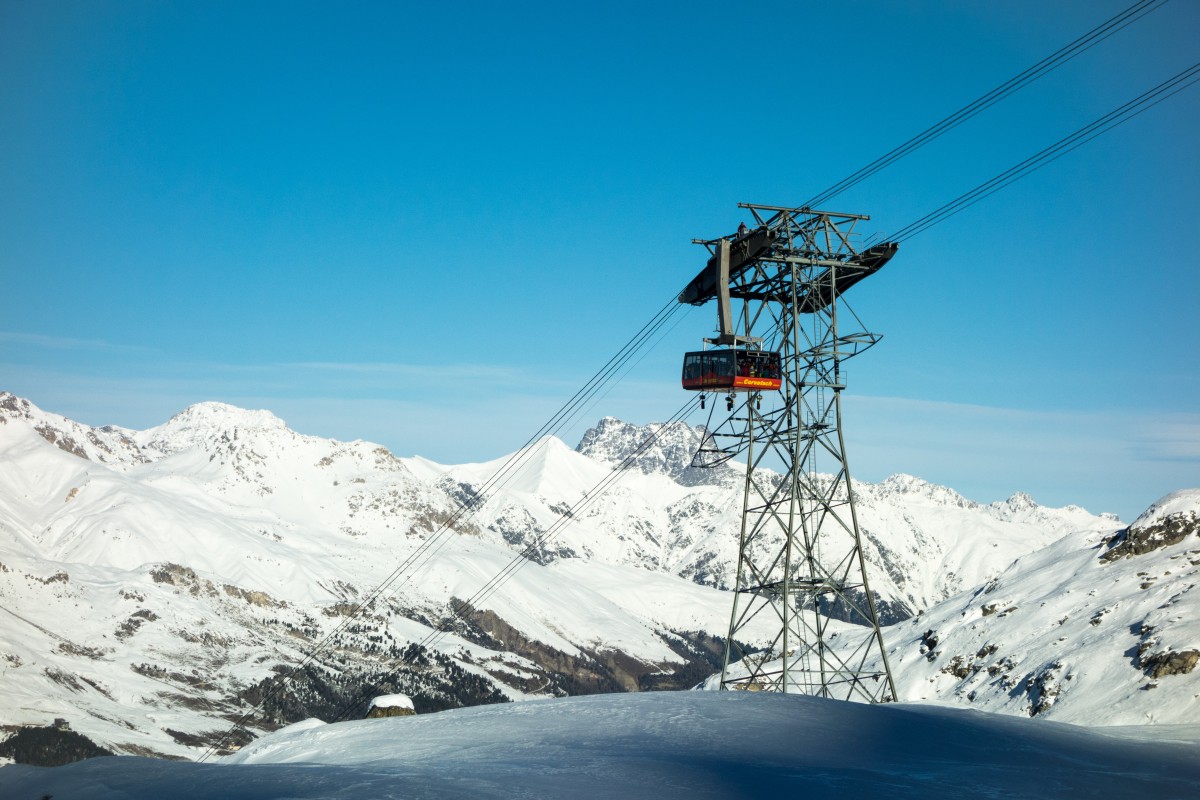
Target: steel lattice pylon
800, 559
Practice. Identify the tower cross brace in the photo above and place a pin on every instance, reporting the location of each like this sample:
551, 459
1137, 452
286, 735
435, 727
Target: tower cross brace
801, 573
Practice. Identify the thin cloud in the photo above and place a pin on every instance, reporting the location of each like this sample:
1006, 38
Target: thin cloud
465, 378
1176, 438
460, 371
68, 343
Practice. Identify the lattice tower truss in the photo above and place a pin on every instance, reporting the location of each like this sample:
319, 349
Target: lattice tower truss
800, 557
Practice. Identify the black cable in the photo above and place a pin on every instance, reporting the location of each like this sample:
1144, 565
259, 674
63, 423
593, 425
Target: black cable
458, 608
425, 552
597, 491
517, 460
1019, 81
1102, 125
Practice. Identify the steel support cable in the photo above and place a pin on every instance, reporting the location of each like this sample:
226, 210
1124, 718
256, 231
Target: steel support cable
422, 555
517, 460
1017, 82
1111, 120
592, 495
523, 558
523, 453
604, 376
663, 332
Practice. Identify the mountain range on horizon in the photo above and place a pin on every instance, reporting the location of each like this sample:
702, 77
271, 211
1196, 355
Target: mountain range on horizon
155, 582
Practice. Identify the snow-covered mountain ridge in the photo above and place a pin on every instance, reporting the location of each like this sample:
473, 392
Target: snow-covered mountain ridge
1095, 629
152, 579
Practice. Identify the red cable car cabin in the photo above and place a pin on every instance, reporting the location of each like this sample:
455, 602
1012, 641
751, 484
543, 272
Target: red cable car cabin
731, 370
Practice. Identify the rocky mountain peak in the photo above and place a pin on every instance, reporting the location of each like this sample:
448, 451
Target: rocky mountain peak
1183, 502
911, 486
614, 442
108, 445
13, 406
207, 422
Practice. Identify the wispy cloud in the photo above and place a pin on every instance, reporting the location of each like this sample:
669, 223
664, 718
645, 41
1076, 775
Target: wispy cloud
1113, 460
444, 371
67, 343
1175, 438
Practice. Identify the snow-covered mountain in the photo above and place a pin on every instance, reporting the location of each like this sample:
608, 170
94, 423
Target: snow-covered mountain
153, 583
1096, 629
147, 596
923, 542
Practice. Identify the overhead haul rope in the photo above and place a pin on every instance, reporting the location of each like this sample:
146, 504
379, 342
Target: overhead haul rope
562, 419
539, 541
1104, 124
1019, 81
459, 608
421, 556
638, 342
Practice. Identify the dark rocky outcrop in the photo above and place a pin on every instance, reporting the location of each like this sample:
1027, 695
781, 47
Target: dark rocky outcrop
1162, 533
1158, 665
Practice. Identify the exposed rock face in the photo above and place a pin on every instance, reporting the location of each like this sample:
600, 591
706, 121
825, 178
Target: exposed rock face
209, 555
1079, 631
1159, 665
615, 442
1163, 532
107, 445
392, 711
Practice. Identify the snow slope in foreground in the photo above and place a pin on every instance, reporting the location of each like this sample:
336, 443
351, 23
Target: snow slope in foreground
658, 745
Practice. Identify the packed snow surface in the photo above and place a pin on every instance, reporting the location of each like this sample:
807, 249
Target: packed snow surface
657, 745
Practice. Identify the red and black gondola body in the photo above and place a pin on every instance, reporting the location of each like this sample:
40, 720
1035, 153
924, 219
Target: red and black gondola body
732, 370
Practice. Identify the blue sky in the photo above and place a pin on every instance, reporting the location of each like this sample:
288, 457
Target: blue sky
429, 226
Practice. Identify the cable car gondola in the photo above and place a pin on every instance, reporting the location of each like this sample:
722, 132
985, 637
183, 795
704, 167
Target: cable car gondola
731, 370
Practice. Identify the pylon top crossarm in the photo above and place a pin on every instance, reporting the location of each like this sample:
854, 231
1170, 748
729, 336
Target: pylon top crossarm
752, 263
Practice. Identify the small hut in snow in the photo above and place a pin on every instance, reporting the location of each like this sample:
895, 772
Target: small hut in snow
391, 705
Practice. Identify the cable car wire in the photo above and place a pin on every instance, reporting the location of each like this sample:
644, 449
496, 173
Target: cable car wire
459, 608
431, 546
590, 496
1102, 125
1017, 82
